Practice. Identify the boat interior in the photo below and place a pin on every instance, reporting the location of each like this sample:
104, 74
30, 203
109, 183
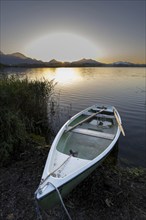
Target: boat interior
90, 138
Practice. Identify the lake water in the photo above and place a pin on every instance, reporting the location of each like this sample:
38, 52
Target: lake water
125, 88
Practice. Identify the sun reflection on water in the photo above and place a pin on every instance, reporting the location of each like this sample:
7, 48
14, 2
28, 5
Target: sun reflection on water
67, 76
63, 76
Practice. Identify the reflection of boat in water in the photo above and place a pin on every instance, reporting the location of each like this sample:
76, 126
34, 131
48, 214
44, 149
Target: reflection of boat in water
79, 147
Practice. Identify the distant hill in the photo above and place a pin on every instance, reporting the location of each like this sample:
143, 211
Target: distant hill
86, 62
126, 64
2, 65
122, 63
54, 63
79, 63
18, 59
19, 55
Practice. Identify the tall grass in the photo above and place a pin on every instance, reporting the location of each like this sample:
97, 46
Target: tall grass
23, 111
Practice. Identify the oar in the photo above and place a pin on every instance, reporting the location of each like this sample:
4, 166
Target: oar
119, 123
86, 119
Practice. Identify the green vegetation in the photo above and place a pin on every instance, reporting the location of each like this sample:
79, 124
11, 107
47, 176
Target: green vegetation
2, 65
23, 114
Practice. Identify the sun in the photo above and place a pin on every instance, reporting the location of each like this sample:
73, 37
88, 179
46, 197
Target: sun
62, 47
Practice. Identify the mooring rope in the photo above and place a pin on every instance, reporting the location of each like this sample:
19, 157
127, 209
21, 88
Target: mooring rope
61, 200
43, 180
39, 216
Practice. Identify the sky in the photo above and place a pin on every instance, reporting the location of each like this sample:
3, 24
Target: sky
107, 31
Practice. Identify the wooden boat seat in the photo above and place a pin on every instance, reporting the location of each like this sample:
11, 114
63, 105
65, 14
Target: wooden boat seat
94, 133
100, 115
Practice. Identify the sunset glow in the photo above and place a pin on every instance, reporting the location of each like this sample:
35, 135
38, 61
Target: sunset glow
63, 47
106, 31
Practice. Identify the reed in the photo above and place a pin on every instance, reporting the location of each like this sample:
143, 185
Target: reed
23, 111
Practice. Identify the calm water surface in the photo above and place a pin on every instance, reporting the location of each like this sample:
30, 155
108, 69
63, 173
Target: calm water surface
124, 88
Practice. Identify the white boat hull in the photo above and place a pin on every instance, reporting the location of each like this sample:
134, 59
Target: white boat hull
65, 171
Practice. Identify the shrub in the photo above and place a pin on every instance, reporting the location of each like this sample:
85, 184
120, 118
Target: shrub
23, 111
12, 135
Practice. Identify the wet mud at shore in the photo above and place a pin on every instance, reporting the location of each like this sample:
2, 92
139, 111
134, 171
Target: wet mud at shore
108, 193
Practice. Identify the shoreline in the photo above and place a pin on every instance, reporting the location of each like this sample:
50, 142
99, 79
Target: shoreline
43, 66
110, 192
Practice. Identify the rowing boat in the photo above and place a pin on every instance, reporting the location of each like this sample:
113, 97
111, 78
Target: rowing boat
79, 147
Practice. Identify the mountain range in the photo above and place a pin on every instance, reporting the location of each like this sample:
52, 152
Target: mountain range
20, 60
17, 59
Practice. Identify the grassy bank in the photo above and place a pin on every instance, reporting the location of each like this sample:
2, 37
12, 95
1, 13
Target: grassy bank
23, 115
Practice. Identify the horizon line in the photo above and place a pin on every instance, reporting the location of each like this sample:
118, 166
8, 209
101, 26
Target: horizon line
65, 61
